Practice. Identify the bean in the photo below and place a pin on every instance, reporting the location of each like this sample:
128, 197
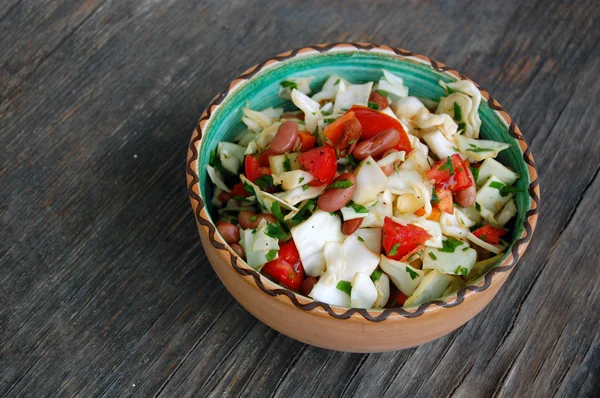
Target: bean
224, 196
285, 139
389, 169
228, 231
377, 145
381, 100
307, 285
350, 226
238, 249
335, 198
466, 197
250, 220
350, 136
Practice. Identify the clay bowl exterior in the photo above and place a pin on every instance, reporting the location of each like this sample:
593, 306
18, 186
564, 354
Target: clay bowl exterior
317, 323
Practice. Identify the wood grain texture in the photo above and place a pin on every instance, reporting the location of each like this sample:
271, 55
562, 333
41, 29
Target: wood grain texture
104, 288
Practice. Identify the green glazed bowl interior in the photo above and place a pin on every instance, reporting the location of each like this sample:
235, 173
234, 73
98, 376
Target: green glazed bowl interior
357, 66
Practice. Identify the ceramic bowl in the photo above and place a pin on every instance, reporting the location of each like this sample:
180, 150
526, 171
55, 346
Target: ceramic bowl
317, 323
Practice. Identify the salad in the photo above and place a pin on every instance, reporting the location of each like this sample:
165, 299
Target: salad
364, 196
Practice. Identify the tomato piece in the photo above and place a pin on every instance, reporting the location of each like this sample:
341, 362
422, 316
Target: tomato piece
397, 298
374, 122
252, 168
434, 216
288, 251
445, 202
451, 172
263, 158
490, 234
320, 162
402, 240
290, 276
239, 190
334, 130
308, 140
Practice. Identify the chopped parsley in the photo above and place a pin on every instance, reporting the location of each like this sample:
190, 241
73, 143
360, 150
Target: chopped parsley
275, 231
249, 188
276, 210
358, 208
254, 231
344, 286
305, 212
461, 271
384, 93
361, 239
434, 198
305, 187
457, 112
475, 171
394, 249
253, 218
433, 256
271, 254
396, 168
412, 273
368, 162
264, 182
341, 184
352, 161
351, 142
477, 206
448, 166
289, 84
336, 82
376, 275
329, 121
373, 105
450, 245
475, 148
287, 165
462, 126
300, 180
466, 248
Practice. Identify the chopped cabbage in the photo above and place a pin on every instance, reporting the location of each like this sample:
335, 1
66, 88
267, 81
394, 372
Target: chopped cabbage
351, 94
392, 84
370, 181
405, 277
472, 121
278, 162
439, 144
258, 120
408, 107
364, 292
490, 195
458, 262
330, 89
371, 238
231, 155
432, 287
358, 258
293, 179
383, 291
310, 108
491, 167
299, 194
217, 178
381, 208
479, 149
302, 84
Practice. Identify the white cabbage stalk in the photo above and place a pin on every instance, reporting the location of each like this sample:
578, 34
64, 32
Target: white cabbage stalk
508, 211
456, 225
383, 291
252, 148
405, 277
488, 216
231, 155
258, 120
408, 203
363, 293
370, 181
490, 197
379, 209
479, 149
358, 258
371, 237
408, 108
491, 167
427, 123
431, 288
484, 245
349, 213
293, 179
245, 138
448, 105
310, 108
325, 289
481, 267
255, 259
265, 199
299, 194
472, 122
302, 85
391, 158
351, 94
417, 159
439, 144
463, 257
262, 241
392, 84
330, 89
412, 183
217, 178
277, 162
311, 236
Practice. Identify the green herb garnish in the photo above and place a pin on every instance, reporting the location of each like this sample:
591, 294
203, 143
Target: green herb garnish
305, 212
276, 210
305, 187
352, 161
477, 206
433, 256
462, 126
450, 245
341, 184
462, 271
475, 171
448, 166
412, 273
475, 148
344, 286
457, 112
373, 105
275, 231
394, 249
300, 180
508, 189
384, 93
336, 82
253, 218
376, 275
434, 198
287, 165
360, 239
271, 254
289, 84
264, 182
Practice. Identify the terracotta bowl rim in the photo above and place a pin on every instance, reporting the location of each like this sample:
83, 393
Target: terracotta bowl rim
205, 226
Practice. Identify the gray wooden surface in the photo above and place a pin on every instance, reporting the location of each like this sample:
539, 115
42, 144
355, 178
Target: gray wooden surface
104, 287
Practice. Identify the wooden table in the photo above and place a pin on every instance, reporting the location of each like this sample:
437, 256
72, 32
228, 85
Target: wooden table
104, 287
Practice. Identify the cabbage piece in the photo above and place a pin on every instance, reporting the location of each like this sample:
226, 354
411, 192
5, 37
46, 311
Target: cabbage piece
392, 84
231, 155
325, 289
391, 158
351, 94
311, 236
371, 237
278, 162
458, 262
456, 225
471, 213
217, 178
508, 211
258, 120
431, 288
483, 266
379, 209
456, 284
405, 277
489, 196
254, 259
388, 111
302, 84
264, 137
471, 115
440, 145
299, 194
262, 241
430, 122
358, 258
370, 181
245, 138
364, 292
330, 89
417, 159
353, 211
491, 167
408, 107
479, 149
484, 245
293, 179
265, 199
383, 291
310, 108
407, 203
